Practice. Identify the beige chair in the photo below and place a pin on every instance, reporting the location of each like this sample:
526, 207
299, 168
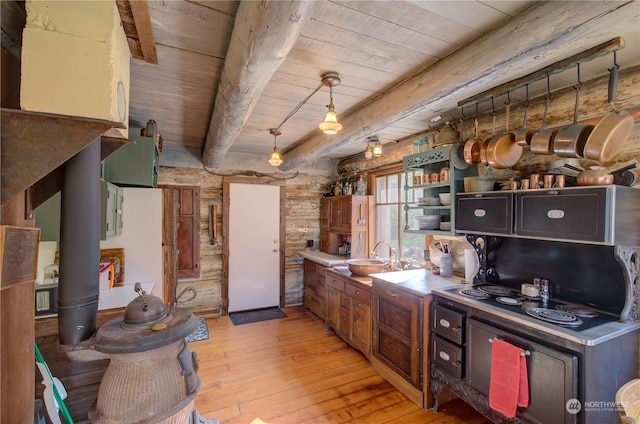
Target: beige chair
628, 402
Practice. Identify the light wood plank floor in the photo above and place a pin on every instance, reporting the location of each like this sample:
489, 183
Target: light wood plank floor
295, 370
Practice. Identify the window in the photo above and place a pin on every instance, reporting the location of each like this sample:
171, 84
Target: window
389, 201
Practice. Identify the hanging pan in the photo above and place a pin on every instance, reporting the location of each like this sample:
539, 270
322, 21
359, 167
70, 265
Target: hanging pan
456, 154
524, 134
570, 140
542, 140
502, 150
608, 137
473, 146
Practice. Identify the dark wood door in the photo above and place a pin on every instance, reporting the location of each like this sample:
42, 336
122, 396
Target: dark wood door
188, 240
398, 336
169, 244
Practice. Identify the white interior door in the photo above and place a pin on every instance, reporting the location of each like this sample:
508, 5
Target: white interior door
254, 246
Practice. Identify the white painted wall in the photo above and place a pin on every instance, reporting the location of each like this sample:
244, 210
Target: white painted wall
141, 239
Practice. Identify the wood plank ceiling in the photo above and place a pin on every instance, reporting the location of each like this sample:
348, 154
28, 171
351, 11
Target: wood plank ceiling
400, 64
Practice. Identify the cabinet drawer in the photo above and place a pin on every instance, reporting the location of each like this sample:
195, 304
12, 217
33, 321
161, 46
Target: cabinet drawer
485, 213
315, 303
564, 214
447, 356
335, 282
359, 294
344, 301
448, 323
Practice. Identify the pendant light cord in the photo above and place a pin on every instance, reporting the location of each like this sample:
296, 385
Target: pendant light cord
297, 108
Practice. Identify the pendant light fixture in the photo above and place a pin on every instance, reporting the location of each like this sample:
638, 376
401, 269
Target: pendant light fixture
368, 153
275, 159
377, 145
330, 125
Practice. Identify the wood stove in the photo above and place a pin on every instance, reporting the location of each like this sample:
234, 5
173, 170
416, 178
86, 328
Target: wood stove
152, 375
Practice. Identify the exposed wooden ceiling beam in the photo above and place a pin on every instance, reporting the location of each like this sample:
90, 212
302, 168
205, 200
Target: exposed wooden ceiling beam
136, 21
498, 56
263, 34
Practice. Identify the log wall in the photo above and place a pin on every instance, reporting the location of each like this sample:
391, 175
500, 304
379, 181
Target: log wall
303, 193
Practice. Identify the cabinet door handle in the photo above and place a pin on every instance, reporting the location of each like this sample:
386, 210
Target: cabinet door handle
359, 305
392, 294
357, 291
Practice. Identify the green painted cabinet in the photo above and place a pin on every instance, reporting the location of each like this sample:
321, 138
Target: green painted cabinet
133, 165
111, 200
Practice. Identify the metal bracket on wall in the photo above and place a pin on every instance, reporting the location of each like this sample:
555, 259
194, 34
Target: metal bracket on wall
213, 239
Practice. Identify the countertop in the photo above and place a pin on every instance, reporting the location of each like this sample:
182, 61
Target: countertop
322, 258
358, 279
417, 281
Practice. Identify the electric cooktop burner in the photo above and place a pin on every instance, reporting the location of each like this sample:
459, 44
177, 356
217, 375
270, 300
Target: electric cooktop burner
496, 290
555, 316
475, 293
578, 311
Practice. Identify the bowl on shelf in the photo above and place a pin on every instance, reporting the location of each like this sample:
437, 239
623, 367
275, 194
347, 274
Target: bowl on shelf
428, 201
474, 184
445, 198
427, 222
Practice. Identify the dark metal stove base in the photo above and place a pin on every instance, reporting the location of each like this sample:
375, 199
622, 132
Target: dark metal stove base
479, 402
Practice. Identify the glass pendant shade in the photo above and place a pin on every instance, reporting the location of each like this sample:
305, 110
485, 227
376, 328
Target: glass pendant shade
330, 125
275, 159
368, 153
377, 149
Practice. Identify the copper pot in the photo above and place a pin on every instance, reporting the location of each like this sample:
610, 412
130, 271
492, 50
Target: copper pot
599, 176
607, 138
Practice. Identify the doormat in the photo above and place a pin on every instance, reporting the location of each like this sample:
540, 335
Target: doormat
256, 315
200, 333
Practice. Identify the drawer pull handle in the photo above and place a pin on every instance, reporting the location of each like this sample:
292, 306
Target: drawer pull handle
523, 353
444, 323
357, 291
392, 294
479, 213
444, 356
555, 214
359, 305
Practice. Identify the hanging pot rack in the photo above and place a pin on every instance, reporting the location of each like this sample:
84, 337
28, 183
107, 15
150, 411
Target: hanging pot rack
602, 49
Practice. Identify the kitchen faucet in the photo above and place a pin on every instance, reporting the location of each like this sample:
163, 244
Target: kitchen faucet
392, 255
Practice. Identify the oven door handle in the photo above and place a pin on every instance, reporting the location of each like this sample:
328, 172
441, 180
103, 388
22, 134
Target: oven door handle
523, 353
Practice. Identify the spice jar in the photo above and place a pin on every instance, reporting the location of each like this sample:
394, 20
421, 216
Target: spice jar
444, 174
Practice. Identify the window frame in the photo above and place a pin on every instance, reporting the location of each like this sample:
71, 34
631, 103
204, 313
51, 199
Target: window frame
401, 173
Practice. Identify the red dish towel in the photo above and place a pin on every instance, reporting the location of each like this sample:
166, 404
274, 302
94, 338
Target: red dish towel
509, 384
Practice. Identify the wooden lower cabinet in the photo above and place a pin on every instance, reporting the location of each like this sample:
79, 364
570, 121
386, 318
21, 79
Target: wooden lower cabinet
349, 311
398, 352
314, 287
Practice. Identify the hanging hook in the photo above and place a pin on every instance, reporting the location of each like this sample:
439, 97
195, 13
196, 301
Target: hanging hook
493, 107
462, 113
526, 98
579, 85
615, 60
548, 87
508, 98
